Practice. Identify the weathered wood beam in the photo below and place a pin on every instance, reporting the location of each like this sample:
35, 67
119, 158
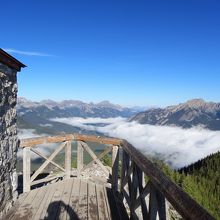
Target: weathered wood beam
80, 157
30, 142
68, 154
97, 139
115, 165
26, 169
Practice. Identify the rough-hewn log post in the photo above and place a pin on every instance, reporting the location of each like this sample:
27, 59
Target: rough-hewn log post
26, 169
115, 161
68, 160
79, 157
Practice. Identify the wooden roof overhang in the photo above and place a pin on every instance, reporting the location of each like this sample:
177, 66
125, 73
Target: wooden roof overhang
10, 61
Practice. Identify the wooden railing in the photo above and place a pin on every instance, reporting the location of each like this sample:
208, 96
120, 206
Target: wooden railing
130, 170
29, 145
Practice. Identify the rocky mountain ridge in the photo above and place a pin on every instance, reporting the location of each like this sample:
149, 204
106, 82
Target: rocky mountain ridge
68, 104
195, 112
37, 115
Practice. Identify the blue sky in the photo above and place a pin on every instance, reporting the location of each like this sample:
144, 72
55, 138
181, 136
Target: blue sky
127, 52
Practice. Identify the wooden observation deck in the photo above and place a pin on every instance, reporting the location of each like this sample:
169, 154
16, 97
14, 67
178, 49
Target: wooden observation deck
135, 188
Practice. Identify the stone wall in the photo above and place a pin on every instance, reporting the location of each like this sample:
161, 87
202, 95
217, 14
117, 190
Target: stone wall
8, 137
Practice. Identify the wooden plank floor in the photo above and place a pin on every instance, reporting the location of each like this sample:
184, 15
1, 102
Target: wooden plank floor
68, 199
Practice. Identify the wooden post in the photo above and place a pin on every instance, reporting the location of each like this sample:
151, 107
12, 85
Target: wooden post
133, 192
123, 170
26, 170
153, 206
79, 157
115, 161
128, 164
161, 205
68, 159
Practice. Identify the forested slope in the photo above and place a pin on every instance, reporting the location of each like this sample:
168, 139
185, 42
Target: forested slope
202, 181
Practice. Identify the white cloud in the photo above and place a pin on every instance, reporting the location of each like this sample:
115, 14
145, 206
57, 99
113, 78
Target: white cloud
27, 133
46, 125
28, 53
176, 146
89, 123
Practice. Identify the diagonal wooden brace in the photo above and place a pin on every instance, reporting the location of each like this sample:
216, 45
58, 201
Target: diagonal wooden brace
43, 166
94, 157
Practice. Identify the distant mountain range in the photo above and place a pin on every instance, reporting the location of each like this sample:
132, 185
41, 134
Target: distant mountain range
37, 115
194, 112
74, 108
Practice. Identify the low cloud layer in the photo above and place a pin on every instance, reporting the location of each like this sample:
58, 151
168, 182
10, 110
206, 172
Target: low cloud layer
27, 133
176, 146
90, 123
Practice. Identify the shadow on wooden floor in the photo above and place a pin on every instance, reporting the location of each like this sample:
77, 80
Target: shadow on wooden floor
59, 208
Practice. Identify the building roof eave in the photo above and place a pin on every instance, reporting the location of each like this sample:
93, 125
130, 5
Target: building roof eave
10, 61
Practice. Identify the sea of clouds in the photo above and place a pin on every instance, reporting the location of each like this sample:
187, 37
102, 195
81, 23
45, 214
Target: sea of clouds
176, 146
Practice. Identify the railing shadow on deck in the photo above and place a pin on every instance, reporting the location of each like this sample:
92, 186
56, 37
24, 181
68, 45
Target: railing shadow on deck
129, 168
57, 208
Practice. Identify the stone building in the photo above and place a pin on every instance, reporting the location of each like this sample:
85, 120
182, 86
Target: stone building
9, 67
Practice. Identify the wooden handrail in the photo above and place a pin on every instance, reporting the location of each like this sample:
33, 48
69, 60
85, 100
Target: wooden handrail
181, 201
31, 142
134, 166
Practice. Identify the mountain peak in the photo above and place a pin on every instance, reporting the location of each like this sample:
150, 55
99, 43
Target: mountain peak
22, 100
195, 112
195, 102
108, 104
74, 108
104, 102
48, 102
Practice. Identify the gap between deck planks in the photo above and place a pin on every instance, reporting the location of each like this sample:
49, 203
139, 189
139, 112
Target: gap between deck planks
68, 199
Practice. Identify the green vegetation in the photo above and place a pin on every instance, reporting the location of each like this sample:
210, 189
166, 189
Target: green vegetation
74, 163
107, 160
201, 181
